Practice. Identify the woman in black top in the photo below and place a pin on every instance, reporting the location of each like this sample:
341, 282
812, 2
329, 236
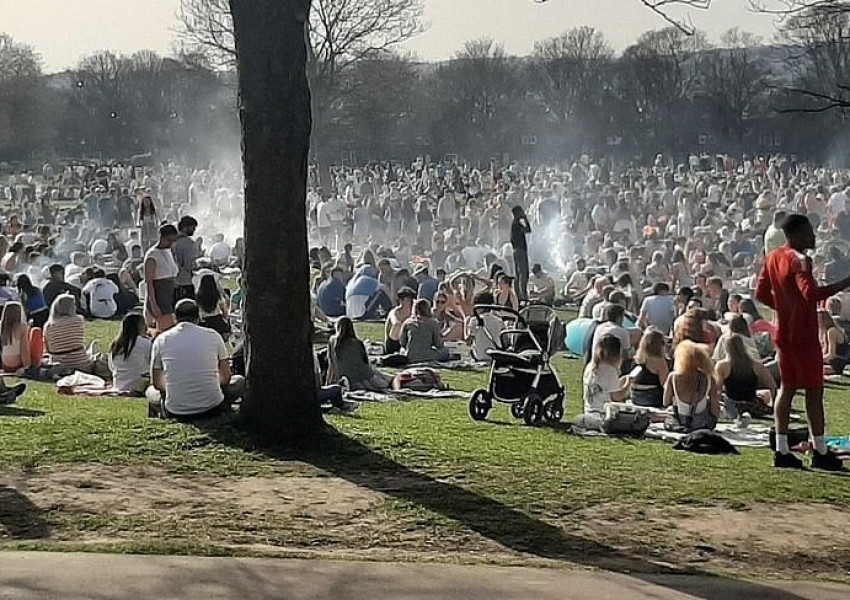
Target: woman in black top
651, 371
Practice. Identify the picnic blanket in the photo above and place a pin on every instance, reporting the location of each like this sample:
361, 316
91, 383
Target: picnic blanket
391, 395
753, 436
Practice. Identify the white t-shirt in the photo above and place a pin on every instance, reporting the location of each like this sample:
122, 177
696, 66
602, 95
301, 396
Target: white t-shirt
609, 328
101, 294
220, 252
99, 247
599, 382
166, 267
126, 372
836, 203
189, 355
493, 325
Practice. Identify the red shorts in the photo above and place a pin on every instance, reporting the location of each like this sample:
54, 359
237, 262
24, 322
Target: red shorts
801, 369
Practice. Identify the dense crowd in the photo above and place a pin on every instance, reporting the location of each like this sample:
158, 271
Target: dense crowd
663, 261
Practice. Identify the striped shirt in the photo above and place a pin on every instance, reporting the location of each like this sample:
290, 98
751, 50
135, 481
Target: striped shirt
64, 339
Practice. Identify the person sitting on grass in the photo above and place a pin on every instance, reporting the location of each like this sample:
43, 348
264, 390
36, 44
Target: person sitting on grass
23, 346
647, 378
98, 297
737, 326
421, 337
504, 292
396, 319
64, 335
190, 371
451, 322
213, 305
691, 388
130, 356
348, 359
834, 344
484, 335
745, 381
602, 382
541, 287
32, 300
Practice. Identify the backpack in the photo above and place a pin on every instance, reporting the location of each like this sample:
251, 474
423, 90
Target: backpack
419, 379
625, 422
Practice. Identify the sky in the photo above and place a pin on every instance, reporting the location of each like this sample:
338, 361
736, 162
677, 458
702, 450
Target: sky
63, 31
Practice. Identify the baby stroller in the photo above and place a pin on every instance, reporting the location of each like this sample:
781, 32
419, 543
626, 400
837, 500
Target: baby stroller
520, 374
546, 327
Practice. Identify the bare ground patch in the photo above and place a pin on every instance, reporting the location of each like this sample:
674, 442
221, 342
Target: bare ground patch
766, 538
102, 505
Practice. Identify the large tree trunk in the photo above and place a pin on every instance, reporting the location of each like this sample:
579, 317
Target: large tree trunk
274, 106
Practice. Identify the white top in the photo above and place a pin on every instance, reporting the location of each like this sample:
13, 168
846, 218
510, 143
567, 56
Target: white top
220, 252
99, 247
599, 382
609, 328
189, 355
126, 373
101, 292
166, 267
493, 324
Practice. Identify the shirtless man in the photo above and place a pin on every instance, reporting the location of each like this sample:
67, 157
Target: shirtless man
398, 315
786, 285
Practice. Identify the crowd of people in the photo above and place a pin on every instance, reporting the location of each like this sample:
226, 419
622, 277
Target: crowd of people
665, 260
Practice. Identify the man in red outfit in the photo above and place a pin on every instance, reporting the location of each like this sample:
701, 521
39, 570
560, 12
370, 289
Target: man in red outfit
787, 286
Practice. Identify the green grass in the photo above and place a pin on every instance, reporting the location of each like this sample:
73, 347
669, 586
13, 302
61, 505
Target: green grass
526, 476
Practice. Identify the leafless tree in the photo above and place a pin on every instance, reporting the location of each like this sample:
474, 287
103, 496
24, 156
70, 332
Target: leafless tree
661, 8
816, 35
571, 71
340, 33
22, 97
663, 69
733, 79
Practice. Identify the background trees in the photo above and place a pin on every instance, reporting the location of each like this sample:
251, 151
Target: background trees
23, 101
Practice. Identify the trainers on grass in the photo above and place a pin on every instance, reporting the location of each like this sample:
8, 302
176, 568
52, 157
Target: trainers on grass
827, 462
786, 461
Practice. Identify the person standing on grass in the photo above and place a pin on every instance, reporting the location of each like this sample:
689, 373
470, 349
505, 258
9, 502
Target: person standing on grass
787, 286
519, 229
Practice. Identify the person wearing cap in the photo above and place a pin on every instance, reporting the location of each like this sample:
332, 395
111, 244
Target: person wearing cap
160, 272
395, 320
190, 370
541, 287
427, 284
185, 253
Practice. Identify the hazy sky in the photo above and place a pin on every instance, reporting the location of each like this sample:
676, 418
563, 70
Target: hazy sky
64, 30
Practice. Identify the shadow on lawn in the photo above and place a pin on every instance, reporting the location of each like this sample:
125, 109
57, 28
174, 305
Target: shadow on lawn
351, 460
20, 519
17, 411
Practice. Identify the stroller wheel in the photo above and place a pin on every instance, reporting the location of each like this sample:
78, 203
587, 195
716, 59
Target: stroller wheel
516, 410
480, 405
532, 411
553, 410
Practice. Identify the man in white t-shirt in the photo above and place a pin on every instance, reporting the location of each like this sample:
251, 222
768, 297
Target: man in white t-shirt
190, 370
99, 296
220, 252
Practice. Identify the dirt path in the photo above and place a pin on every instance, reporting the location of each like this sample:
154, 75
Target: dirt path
101, 505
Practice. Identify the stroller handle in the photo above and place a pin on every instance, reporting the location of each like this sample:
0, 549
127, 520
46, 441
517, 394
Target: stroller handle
480, 309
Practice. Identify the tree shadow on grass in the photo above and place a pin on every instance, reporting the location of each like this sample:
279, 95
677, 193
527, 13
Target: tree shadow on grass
17, 411
20, 519
349, 459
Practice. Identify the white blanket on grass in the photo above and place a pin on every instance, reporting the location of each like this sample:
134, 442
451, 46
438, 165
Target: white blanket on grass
391, 395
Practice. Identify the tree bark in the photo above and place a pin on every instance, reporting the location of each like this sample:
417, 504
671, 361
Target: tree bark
274, 108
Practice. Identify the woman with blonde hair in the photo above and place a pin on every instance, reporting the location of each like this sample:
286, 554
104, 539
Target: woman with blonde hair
64, 336
691, 388
647, 377
23, 346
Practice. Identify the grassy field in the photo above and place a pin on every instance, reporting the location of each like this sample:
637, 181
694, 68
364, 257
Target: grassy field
418, 478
